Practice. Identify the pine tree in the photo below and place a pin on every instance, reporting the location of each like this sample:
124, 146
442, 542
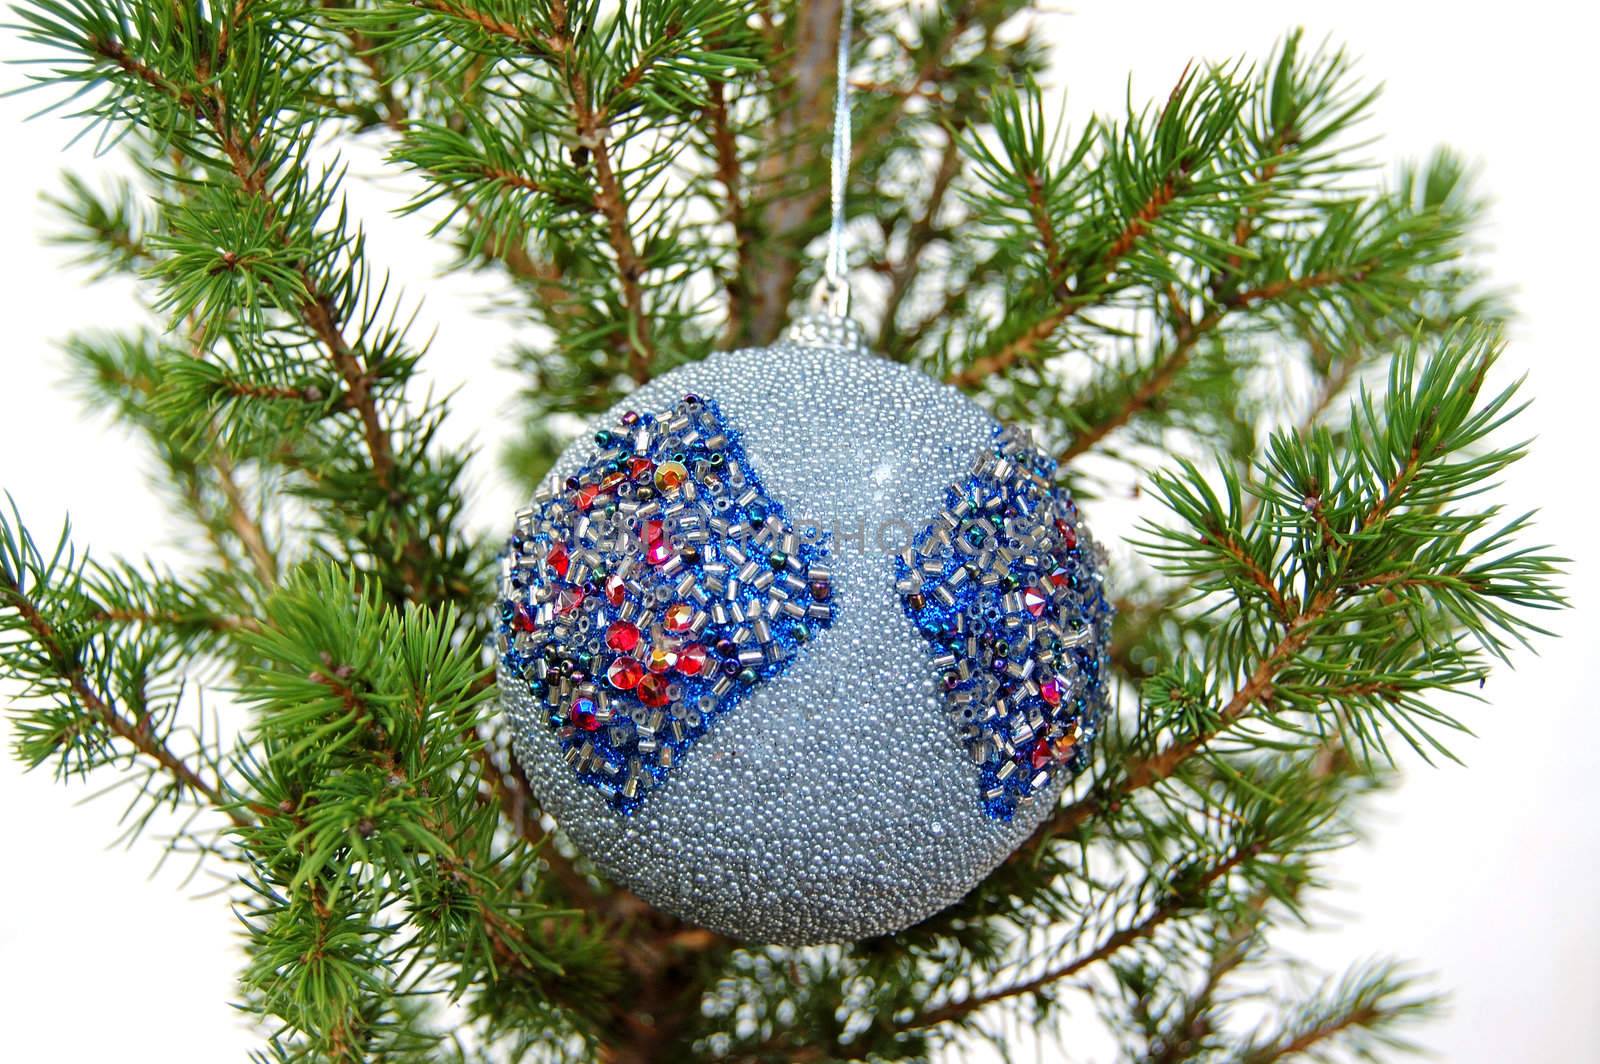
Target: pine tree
1325, 563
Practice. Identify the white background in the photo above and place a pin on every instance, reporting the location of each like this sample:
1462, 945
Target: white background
1484, 874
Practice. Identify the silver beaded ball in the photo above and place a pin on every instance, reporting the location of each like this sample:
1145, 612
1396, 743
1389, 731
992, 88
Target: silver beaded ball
871, 773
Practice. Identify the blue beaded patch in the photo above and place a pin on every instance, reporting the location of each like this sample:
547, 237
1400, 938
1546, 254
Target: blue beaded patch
643, 597
1005, 588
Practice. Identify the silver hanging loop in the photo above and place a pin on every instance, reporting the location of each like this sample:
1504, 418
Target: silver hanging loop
831, 297
838, 266
830, 300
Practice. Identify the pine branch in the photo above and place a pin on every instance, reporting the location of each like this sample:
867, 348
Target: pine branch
51, 663
1119, 940
1432, 427
193, 95
1139, 615
903, 274
367, 716
1168, 365
1186, 144
593, 135
1305, 603
100, 226
125, 375
1360, 1011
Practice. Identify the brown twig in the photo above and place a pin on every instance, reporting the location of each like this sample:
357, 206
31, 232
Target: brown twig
1045, 225
919, 237
1165, 371
243, 525
1258, 576
613, 104
1296, 285
1245, 227
237, 514
803, 112
1148, 771
961, 19
1187, 336
593, 136
1305, 1040
1072, 299
729, 174
247, 390
1196, 1023
497, 27
393, 109
317, 308
509, 787
1141, 221
119, 615
135, 733
522, 182
543, 277
979, 370
1118, 940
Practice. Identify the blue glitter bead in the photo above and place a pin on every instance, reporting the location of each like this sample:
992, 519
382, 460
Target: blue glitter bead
1000, 596
669, 564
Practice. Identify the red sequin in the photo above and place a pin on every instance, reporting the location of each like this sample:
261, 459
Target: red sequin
622, 636
559, 561
692, 659
583, 714
652, 690
625, 674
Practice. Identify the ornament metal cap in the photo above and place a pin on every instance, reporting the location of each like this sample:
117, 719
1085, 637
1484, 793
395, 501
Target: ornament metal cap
827, 321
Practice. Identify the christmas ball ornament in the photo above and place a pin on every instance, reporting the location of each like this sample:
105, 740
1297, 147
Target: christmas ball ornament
800, 643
